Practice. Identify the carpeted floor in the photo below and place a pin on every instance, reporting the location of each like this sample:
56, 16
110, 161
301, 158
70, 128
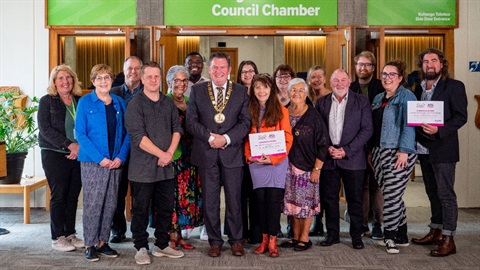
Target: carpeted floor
28, 247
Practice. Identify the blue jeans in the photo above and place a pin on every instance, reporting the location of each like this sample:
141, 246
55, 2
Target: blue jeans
439, 181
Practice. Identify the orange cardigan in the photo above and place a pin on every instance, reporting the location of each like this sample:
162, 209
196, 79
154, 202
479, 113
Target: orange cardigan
284, 125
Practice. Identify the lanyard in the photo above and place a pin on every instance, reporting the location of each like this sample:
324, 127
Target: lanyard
72, 111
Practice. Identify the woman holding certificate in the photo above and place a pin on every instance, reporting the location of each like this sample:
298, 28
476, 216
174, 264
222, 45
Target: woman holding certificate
268, 171
309, 151
393, 153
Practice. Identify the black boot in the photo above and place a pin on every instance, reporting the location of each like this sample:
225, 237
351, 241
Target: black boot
317, 229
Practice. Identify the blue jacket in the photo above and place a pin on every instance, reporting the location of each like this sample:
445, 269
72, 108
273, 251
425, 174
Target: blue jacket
396, 133
91, 129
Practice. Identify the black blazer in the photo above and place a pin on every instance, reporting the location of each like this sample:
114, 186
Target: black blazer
375, 87
200, 123
51, 123
443, 146
357, 130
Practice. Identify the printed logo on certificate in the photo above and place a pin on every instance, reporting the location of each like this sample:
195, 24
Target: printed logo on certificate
268, 143
428, 112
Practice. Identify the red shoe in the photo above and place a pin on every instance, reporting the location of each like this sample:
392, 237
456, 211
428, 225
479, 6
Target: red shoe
181, 242
272, 246
173, 244
263, 246
186, 246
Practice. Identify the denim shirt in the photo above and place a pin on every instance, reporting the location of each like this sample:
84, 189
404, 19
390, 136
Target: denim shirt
91, 130
396, 133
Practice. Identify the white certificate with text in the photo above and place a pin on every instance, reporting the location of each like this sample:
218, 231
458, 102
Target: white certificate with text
428, 112
268, 143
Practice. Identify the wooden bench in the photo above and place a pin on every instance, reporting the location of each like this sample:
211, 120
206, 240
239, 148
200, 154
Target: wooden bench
25, 187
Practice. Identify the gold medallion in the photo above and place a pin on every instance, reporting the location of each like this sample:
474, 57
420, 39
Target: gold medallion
219, 118
297, 133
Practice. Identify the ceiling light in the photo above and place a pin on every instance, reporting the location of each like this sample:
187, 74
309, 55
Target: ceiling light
100, 32
300, 32
407, 31
202, 31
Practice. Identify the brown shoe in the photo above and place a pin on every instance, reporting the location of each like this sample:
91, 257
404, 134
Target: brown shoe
214, 251
445, 248
433, 237
237, 249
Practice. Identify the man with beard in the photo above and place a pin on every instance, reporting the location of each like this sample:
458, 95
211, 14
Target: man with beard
131, 68
438, 149
194, 64
372, 198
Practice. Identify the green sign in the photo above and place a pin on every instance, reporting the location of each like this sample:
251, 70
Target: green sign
92, 12
411, 12
250, 12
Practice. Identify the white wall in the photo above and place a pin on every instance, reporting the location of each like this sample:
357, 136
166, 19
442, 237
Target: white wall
467, 40
259, 50
24, 62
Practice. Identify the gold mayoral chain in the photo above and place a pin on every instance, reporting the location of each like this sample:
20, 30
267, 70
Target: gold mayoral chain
219, 117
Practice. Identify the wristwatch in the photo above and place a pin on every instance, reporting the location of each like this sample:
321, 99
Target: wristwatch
318, 169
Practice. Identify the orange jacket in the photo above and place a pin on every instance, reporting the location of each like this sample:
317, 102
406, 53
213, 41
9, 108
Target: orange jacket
283, 124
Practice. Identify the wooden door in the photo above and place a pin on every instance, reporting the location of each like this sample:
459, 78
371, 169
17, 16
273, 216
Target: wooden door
233, 54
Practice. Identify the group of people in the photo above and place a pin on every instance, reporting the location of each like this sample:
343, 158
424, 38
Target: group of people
178, 150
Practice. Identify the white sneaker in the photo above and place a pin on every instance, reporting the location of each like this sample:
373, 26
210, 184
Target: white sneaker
391, 247
141, 257
77, 242
167, 252
186, 233
62, 244
203, 234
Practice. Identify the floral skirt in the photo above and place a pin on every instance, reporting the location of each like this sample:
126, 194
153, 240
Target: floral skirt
187, 205
302, 197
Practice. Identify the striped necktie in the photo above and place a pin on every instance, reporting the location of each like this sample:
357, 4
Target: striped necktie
219, 97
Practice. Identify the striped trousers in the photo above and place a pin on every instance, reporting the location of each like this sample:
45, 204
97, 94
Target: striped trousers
393, 184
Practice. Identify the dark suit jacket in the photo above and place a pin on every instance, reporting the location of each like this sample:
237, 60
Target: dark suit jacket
375, 87
357, 130
200, 113
443, 146
118, 90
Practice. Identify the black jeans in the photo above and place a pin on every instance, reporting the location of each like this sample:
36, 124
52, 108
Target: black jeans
270, 201
64, 180
119, 223
161, 193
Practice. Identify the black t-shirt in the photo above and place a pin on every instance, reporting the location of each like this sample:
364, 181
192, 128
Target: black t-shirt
377, 116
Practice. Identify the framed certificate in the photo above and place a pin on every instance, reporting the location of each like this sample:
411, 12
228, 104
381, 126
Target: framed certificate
268, 143
428, 112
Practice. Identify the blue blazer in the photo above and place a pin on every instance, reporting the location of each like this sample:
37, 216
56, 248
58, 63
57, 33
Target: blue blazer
357, 130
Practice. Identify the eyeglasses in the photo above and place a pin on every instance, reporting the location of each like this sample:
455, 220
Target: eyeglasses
390, 75
104, 78
368, 65
177, 81
298, 91
251, 71
283, 77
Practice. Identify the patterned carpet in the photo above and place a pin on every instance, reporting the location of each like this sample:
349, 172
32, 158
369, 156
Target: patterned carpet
28, 247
